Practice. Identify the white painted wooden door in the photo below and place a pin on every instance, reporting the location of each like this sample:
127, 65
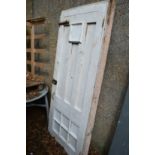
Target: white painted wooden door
81, 32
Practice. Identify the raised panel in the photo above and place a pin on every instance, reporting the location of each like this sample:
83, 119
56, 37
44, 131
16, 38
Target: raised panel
65, 122
85, 60
63, 61
56, 126
63, 134
57, 115
72, 142
74, 130
71, 72
76, 32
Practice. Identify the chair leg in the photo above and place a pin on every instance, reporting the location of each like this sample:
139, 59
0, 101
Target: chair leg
47, 107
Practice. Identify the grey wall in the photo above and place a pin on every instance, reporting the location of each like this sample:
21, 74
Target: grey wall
28, 9
116, 72
115, 80
120, 142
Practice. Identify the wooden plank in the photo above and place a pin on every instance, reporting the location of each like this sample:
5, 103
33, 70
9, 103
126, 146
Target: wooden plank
32, 51
28, 62
28, 49
40, 51
99, 77
43, 50
28, 37
28, 24
38, 64
37, 36
40, 20
40, 36
33, 83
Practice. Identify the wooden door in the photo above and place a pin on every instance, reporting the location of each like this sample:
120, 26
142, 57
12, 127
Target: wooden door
80, 38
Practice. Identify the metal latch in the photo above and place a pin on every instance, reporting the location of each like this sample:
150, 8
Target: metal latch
65, 23
54, 82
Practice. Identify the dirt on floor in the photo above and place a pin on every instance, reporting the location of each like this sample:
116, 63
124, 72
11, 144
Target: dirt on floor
38, 139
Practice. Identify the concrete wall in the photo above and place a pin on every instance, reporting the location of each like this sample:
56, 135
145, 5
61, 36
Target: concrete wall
116, 72
115, 80
28, 9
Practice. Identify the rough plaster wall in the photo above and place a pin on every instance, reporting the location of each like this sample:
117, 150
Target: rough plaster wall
116, 73
28, 9
115, 80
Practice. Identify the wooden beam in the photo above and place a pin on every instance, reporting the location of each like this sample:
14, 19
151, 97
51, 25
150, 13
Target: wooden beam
30, 83
43, 50
28, 62
37, 36
99, 77
28, 49
32, 51
40, 64
28, 24
40, 36
28, 37
39, 20
40, 51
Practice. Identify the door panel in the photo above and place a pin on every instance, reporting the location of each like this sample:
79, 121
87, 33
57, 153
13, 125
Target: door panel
77, 59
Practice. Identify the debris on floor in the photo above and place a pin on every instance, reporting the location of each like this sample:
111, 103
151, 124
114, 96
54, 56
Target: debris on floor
38, 139
34, 91
30, 77
33, 86
32, 94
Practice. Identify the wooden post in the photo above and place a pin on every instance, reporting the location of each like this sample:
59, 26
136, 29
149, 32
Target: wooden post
32, 51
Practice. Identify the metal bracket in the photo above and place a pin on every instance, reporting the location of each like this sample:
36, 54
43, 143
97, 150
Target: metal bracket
64, 23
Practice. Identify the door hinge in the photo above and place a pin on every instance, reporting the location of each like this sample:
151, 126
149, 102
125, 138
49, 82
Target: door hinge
65, 23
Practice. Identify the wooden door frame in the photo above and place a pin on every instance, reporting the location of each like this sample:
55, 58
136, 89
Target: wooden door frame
100, 74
